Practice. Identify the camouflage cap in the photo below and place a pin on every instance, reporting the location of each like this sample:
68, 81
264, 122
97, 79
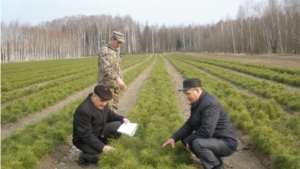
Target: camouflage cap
119, 36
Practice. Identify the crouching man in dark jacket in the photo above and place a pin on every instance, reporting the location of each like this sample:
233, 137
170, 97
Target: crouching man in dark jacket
208, 132
94, 123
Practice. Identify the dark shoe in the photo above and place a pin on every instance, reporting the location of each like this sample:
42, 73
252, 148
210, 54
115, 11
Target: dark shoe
221, 160
82, 162
220, 166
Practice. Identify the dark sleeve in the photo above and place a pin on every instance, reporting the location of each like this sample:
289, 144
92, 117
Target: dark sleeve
83, 123
112, 116
184, 131
210, 117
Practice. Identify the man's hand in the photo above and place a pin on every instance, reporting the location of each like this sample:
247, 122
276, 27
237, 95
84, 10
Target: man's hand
170, 141
188, 148
126, 121
121, 84
107, 149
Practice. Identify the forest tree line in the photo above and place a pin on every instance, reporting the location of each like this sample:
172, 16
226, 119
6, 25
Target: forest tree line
270, 26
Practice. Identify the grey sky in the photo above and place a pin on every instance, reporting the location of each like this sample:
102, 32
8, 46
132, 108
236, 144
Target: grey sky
169, 12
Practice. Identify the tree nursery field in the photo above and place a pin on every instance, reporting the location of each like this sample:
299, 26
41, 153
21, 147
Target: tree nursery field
262, 100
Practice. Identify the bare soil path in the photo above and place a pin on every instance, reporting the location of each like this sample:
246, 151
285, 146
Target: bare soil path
66, 155
246, 157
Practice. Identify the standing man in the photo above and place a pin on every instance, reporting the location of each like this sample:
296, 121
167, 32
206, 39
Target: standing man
208, 132
94, 123
109, 67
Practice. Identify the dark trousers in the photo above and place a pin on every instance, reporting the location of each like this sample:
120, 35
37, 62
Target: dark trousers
110, 131
210, 151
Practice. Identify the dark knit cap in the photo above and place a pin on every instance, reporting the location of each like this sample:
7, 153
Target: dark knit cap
103, 92
190, 83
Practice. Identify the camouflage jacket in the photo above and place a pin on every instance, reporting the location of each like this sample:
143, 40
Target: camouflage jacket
109, 65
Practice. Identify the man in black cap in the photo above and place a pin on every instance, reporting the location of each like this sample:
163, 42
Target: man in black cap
208, 132
94, 122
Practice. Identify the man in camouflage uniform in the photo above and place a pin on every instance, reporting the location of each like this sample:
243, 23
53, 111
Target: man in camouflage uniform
109, 67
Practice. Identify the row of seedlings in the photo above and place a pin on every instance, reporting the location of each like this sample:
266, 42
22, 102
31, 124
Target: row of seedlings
269, 127
157, 114
28, 145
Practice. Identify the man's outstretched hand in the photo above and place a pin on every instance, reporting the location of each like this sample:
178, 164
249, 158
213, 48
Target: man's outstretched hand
170, 141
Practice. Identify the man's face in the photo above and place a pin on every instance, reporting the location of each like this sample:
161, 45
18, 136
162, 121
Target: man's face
192, 94
98, 102
115, 43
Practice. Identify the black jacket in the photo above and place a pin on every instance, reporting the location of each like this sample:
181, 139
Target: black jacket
208, 119
89, 123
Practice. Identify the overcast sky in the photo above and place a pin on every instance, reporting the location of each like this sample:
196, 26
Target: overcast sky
168, 12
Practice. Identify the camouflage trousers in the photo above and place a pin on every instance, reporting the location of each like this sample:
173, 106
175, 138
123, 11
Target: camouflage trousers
113, 103
114, 88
